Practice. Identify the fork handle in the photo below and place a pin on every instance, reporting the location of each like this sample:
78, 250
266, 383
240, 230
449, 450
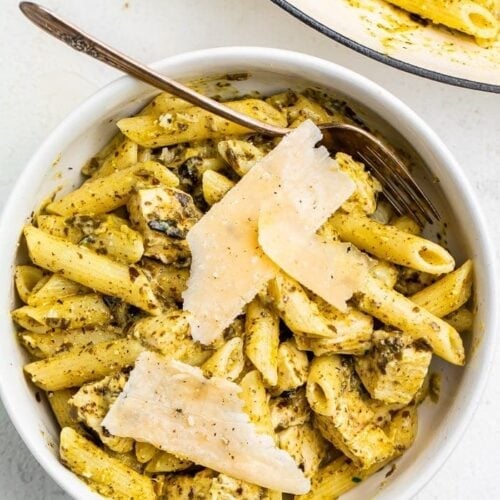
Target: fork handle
82, 42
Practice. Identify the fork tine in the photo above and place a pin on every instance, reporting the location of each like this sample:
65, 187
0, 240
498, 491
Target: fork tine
403, 177
391, 191
394, 189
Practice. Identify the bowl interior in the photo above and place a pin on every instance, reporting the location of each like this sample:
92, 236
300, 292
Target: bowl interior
56, 166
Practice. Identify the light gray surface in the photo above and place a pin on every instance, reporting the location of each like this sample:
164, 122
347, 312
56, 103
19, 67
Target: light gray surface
41, 81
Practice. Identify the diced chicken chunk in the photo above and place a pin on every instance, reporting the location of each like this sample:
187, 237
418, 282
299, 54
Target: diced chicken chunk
395, 368
92, 402
164, 216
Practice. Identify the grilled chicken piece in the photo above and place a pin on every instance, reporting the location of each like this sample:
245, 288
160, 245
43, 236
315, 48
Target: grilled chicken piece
289, 409
395, 368
164, 216
92, 402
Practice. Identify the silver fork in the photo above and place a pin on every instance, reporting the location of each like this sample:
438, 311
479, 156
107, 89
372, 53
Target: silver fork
400, 188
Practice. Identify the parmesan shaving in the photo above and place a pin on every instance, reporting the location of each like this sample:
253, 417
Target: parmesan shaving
172, 406
228, 266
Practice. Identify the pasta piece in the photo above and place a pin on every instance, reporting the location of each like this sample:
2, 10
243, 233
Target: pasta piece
123, 156
396, 310
306, 445
386, 272
256, 404
69, 312
74, 263
60, 226
293, 367
351, 331
468, 16
95, 162
390, 243
262, 337
215, 186
226, 488
342, 416
144, 452
164, 217
114, 238
78, 366
462, 320
167, 281
306, 109
166, 462
395, 368
107, 475
26, 277
299, 312
98, 196
43, 345
58, 401
194, 124
240, 155
56, 287
447, 294
163, 103
289, 410
130, 460
406, 224
169, 335
92, 402
189, 487
227, 362
364, 197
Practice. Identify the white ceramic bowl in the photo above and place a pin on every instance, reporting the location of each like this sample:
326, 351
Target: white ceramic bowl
83, 132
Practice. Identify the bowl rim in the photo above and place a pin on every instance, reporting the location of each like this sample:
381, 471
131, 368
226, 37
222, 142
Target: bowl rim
384, 58
74, 124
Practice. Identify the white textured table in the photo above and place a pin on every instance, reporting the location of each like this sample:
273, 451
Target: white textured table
41, 81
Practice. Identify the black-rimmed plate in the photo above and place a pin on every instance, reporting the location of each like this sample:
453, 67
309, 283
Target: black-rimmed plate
387, 34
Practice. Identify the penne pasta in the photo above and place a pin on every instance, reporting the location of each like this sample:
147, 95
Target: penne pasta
215, 186
74, 263
471, 17
256, 404
123, 156
194, 124
163, 461
70, 312
55, 288
26, 278
262, 337
58, 401
98, 196
396, 310
144, 452
447, 294
80, 365
392, 244
107, 475
293, 367
44, 345
227, 361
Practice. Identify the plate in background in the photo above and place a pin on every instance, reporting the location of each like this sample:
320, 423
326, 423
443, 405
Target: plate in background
387, 34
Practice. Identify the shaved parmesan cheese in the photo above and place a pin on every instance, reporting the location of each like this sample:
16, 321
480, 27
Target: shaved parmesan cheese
172, 406
228, 266
331, 269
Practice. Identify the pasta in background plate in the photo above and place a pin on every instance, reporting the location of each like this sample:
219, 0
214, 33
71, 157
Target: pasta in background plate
337, 390
478, 18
